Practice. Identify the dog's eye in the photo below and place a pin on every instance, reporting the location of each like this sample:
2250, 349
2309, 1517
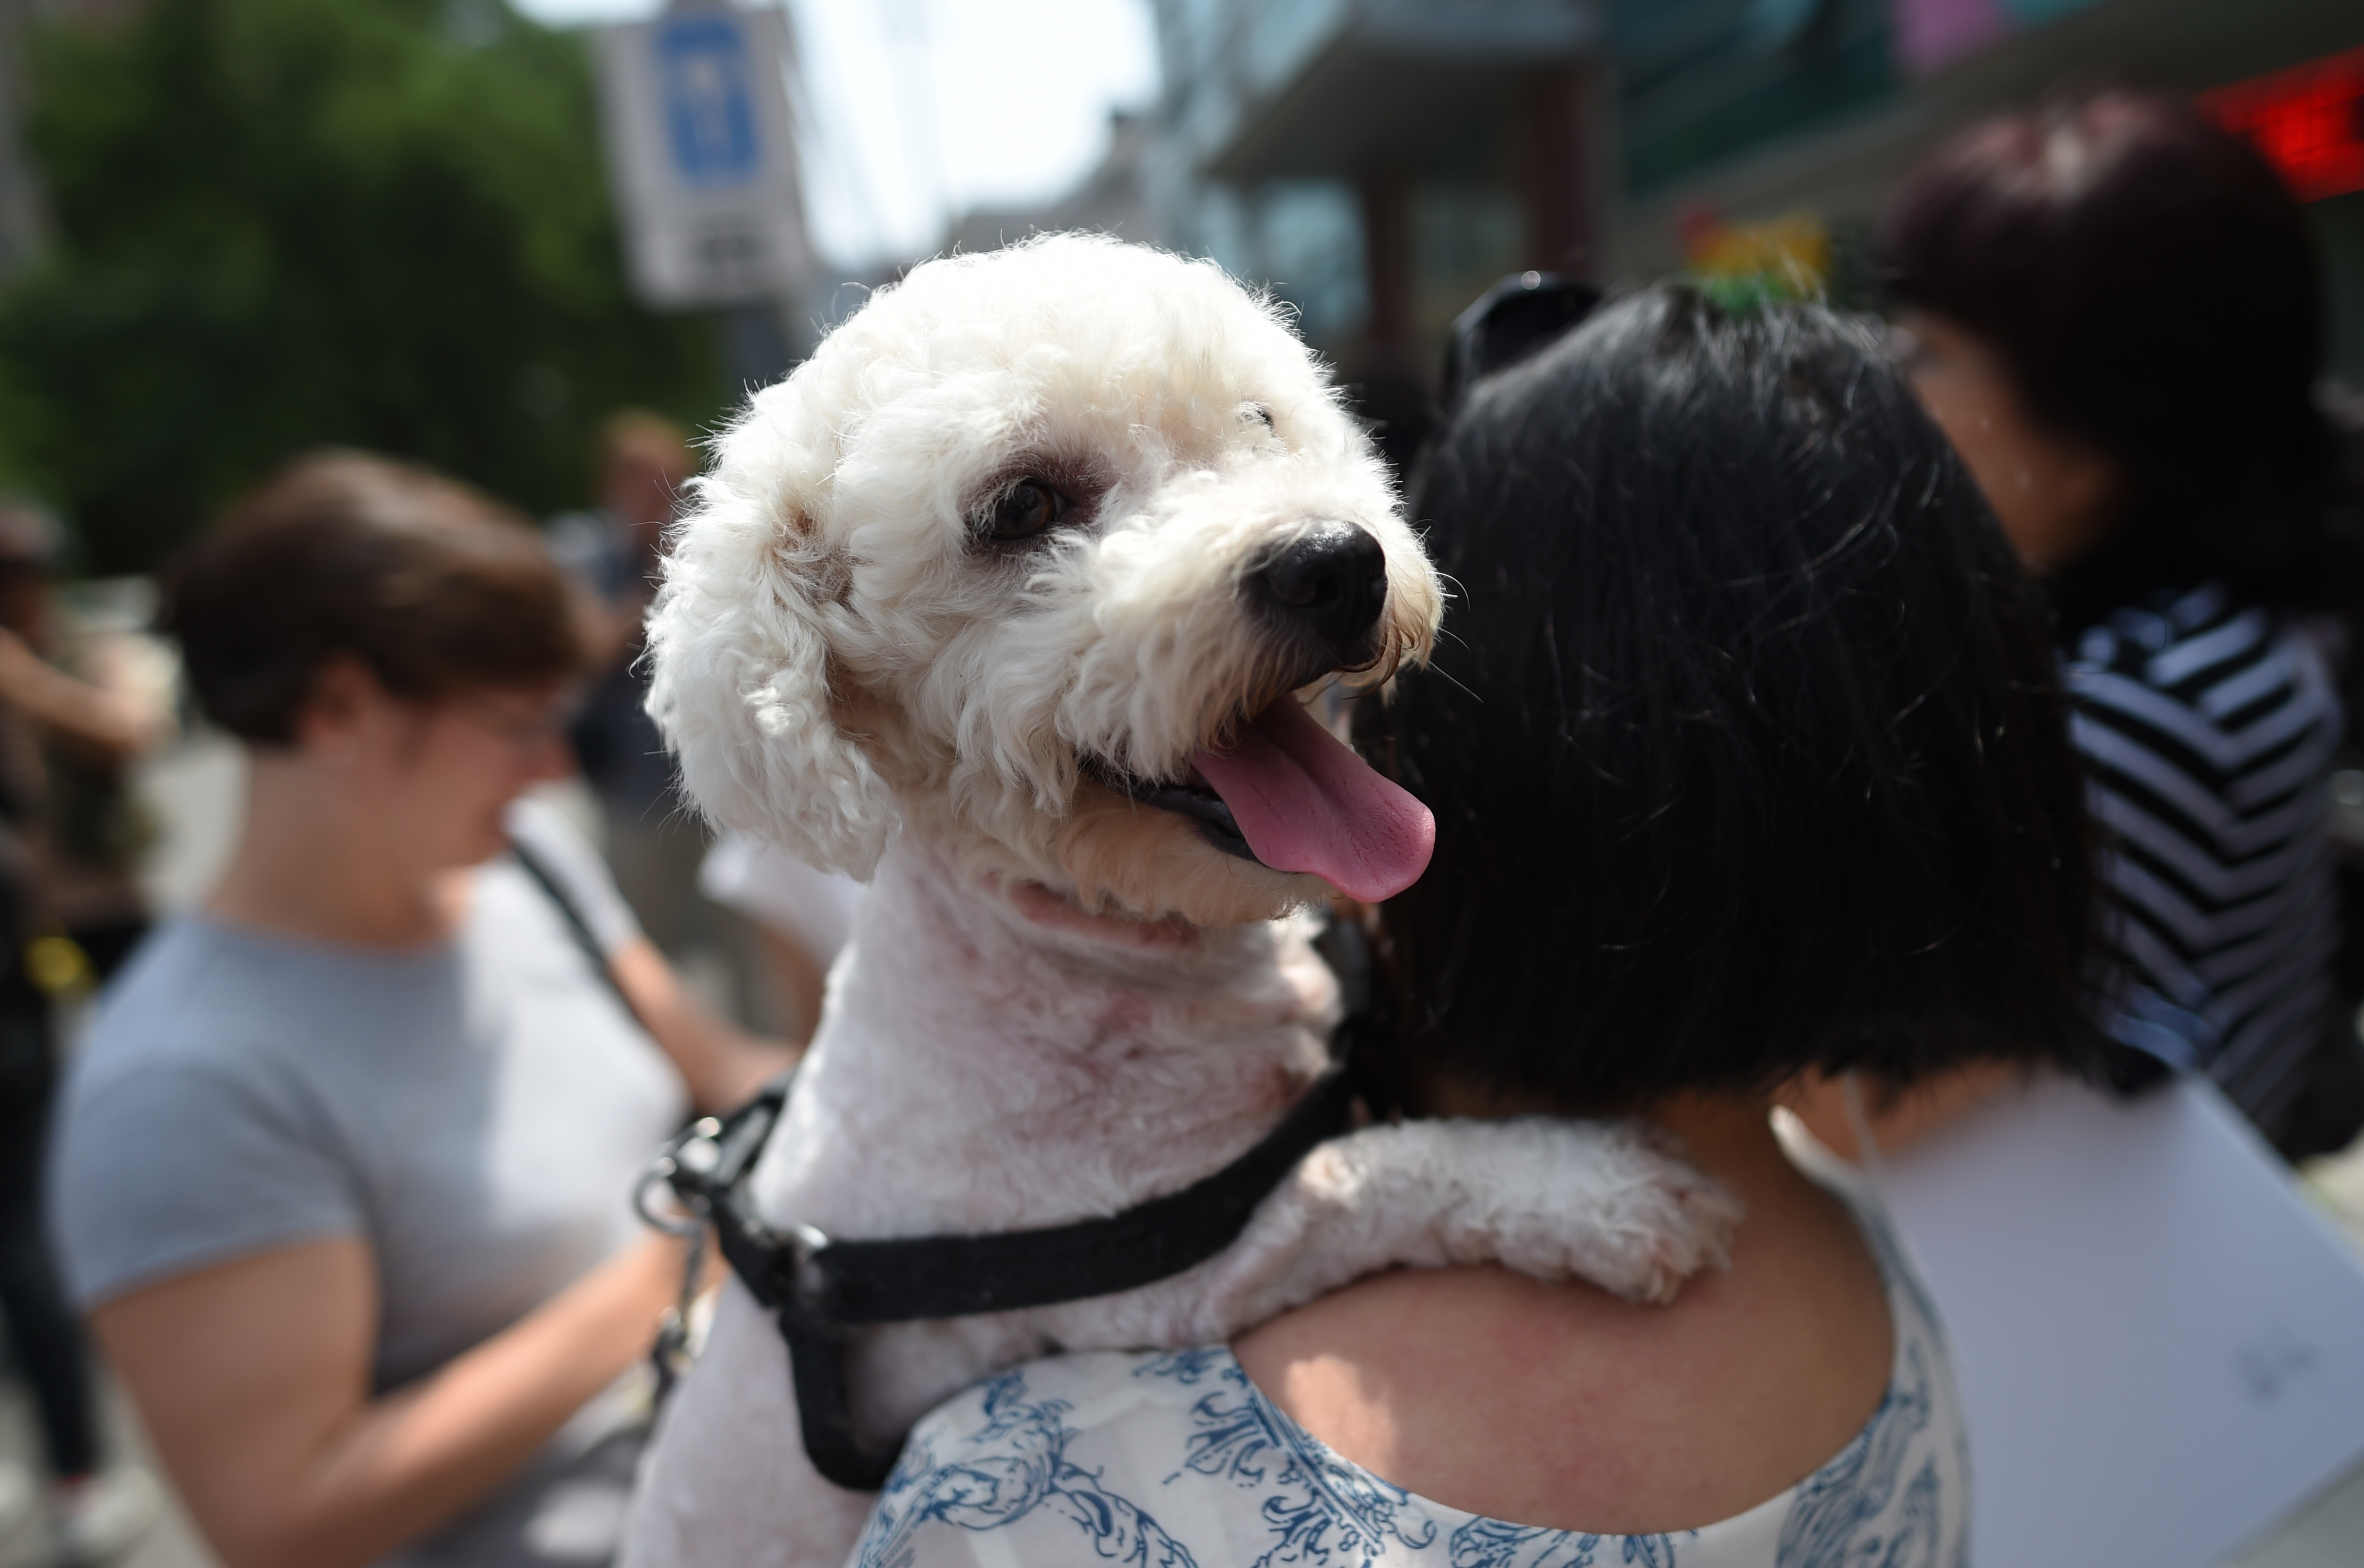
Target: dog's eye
1025, 509
1257, 412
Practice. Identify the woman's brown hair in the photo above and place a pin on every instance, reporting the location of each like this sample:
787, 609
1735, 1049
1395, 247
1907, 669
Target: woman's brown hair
2155, 292
434, 587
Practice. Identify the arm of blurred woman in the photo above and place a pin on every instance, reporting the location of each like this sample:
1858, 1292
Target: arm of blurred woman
723, 1065
254, 1378
111, 726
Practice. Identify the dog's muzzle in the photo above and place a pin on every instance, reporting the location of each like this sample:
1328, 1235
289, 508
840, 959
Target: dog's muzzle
1280, 790
1322, 594
1325, 591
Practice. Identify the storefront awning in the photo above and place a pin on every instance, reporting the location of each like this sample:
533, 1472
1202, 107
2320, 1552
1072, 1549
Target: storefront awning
1418, 88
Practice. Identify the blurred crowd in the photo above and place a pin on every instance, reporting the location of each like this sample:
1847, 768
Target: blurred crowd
397, 1317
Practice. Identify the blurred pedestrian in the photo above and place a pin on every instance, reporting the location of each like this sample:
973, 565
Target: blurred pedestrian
2114, 310
653, 844
343, 1170
51, 724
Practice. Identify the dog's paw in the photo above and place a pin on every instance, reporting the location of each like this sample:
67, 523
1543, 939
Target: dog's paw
1611, 1203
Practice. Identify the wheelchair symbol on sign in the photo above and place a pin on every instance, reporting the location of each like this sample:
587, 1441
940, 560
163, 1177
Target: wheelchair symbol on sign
709, 104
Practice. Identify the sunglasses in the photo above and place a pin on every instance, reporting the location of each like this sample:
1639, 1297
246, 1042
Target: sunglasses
1511, 321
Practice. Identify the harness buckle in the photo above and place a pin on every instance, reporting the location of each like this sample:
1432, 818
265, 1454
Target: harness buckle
698, 1154
701, 1167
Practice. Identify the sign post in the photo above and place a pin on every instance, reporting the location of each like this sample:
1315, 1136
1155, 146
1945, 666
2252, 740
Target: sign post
701, 151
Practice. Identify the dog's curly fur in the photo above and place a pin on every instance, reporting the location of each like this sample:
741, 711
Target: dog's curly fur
1058, 1001
834, 651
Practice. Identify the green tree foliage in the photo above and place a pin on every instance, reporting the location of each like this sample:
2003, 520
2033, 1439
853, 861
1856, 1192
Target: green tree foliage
284, 223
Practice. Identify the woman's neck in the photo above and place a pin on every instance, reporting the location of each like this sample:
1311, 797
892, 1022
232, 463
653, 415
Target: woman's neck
1731, 1138
311, 863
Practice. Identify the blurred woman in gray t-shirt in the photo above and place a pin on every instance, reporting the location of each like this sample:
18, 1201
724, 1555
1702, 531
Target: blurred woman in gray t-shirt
342, 1174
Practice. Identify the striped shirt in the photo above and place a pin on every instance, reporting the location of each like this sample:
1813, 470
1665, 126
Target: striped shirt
2208, 725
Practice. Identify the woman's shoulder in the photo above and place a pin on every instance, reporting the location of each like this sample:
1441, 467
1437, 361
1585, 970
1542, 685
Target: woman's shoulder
186, 1135
204, 994
1458, 1381
185, 999
1178, 1458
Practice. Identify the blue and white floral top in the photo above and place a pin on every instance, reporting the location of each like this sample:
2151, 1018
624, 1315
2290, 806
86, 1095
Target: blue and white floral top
1175, 1459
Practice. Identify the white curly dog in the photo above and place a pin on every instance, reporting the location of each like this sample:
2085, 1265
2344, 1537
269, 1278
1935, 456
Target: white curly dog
1001, 601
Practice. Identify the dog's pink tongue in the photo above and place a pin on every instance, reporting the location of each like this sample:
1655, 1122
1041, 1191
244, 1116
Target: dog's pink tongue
1305, 803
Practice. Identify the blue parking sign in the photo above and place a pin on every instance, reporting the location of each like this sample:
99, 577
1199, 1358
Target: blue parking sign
701, 151
704, 77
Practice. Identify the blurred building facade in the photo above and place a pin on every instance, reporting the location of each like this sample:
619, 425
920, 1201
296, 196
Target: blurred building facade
1725, 119
1381, 162
1378, 163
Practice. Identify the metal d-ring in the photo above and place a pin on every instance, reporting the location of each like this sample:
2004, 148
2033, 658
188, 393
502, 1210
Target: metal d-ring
694, 1155
683, 1225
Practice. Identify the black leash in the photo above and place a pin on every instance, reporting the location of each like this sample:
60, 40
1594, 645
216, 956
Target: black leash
818, 1287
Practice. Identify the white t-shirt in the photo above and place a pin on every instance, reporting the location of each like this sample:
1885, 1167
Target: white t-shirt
477, 1110
765, 882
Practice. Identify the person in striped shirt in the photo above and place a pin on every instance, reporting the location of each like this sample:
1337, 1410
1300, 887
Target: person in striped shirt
2113, 309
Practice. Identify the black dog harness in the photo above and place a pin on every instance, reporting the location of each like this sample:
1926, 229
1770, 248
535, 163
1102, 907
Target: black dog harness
818, 1287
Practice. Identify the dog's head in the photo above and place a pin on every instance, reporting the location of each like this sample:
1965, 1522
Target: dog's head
1036, 546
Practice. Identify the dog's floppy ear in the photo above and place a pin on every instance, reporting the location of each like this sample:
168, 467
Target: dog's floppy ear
740, 653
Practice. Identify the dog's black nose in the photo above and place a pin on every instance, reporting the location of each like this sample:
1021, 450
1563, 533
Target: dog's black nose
1329, 581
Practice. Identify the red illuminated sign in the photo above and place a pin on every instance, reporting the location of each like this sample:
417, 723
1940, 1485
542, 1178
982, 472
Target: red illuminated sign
2308, 120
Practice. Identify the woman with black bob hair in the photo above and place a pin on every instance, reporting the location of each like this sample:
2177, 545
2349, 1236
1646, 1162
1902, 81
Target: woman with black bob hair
2114, 309
1747, 759
1746, 704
